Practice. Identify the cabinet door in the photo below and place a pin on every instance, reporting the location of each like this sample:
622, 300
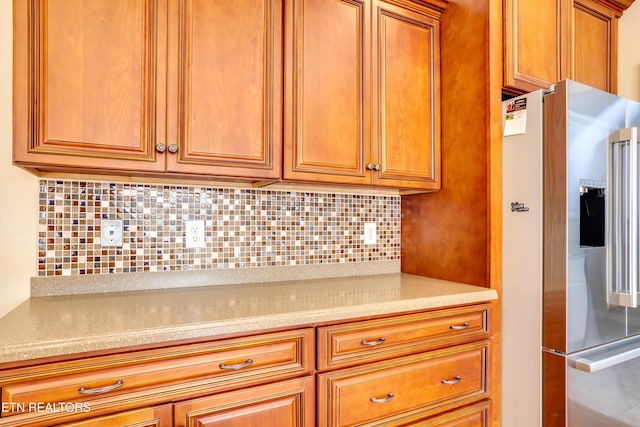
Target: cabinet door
225, 86
594, 45
285, 404
161, 416
476, 415
406, 131
87, 77
327, 91
535, 41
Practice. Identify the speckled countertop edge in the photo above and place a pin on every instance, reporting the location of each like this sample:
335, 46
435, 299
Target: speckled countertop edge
437, 294
101, 283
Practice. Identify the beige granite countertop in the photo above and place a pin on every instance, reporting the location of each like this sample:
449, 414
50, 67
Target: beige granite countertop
61, 325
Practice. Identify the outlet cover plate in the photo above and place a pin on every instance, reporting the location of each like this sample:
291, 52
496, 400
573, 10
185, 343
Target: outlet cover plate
370, 236
194, 234
111, 232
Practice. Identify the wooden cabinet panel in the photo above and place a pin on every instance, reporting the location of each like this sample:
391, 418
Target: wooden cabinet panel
284, 404
535, 39
161, 416
153, 376
407, 98
476, 415
86, 82
229, 94
594, 54
189, 87
327, 91
358, 342
547, 41
403, 388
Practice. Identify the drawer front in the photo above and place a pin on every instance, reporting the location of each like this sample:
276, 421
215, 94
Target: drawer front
161, 416
218, 365
288, 403
476, 415
360, 342
406, 388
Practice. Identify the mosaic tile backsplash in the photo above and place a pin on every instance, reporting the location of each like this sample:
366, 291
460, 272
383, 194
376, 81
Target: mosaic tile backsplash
243, 227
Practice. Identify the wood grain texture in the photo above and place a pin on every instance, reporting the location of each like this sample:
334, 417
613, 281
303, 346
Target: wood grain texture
535, 56
284, 404
153, 377
228, 100
327, 93
341, 345
160, 416
455, 233
594, 52
414, 382
445, 234
86, 95
406, 129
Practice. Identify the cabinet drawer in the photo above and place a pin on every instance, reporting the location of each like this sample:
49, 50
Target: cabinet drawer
404, 389
111, 381
288, 403
359, 342
161, 416
476, 415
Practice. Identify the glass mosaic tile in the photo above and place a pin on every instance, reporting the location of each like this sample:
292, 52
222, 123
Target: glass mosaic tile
243, 227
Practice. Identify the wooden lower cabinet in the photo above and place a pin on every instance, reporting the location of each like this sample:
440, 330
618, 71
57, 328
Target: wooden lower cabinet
426, 368
477, 415
288, 403
403, 389
160, 416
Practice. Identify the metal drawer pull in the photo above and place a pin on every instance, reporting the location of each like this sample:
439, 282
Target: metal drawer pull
389, 397
100, 390
373, 343
459, 327
237, 366
456, 380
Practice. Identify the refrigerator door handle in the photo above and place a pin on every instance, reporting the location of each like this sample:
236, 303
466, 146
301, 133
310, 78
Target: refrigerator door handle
590, 366
622, 213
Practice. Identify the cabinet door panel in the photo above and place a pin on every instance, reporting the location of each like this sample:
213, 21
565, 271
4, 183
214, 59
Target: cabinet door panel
284, 404
326, 99
229, 88
408, 98
535, 40
88, 90
476, 415
593, 55
161, 416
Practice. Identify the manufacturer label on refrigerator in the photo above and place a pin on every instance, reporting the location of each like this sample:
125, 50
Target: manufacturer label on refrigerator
515, 120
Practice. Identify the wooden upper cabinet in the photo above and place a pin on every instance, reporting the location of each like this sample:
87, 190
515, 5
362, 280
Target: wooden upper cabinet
362, 92
406, 131
86, 80
534, 42
227, 110
549, 40
594, 50
327, 74
191, 87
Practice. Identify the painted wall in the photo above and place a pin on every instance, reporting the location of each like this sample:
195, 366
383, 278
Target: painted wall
18, 190
628, 53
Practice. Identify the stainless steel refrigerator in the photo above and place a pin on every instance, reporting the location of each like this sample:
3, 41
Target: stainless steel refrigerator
571, 322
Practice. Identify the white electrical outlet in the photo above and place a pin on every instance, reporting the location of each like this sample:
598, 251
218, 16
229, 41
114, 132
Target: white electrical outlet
111, 232
194, 234
370, 233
